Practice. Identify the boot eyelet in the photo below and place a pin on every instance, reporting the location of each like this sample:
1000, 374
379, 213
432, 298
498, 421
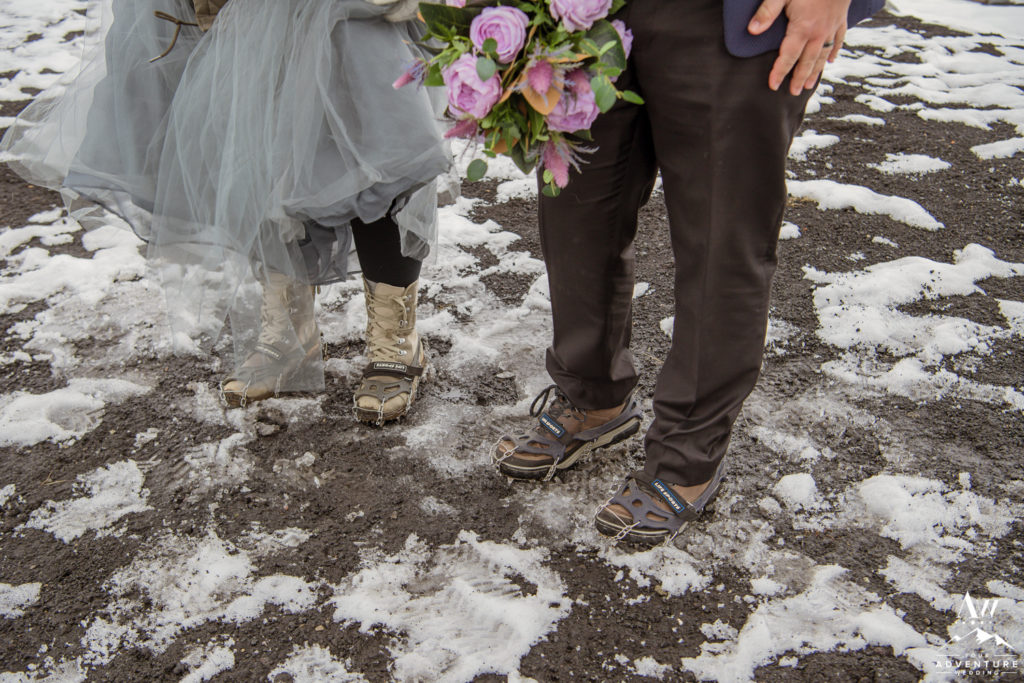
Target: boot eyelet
401, 340
402, 352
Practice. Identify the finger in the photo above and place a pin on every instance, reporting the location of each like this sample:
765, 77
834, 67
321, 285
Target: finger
765, 16
819, 66
840, 36
789, 54
805, 67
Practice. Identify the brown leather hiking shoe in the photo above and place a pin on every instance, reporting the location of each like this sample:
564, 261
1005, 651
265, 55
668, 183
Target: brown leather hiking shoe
564, 434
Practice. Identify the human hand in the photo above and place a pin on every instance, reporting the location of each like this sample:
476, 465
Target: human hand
813, 36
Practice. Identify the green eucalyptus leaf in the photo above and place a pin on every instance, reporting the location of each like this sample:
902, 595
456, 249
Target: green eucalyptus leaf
485, 68
518, 156
589, 47
604, 92
476, 170
430, 48
548, 176
490, 46
442, 19
602, 33
632, 97
434, 77
551, 190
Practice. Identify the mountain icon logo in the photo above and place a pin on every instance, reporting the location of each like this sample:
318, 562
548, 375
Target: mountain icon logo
980, 636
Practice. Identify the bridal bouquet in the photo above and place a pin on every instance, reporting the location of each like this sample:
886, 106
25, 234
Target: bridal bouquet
523, 75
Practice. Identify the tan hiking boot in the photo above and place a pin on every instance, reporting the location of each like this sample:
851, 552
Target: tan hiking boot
288, 345
397, 357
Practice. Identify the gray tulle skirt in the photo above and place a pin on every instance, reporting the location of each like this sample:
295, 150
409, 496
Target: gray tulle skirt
252, 146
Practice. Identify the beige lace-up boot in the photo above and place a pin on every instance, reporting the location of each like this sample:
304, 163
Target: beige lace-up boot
397, 356
288, 345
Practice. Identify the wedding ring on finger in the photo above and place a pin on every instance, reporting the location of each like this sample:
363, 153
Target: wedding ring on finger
829, 43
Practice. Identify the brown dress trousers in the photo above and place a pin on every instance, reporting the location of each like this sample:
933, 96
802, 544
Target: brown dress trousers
720, 138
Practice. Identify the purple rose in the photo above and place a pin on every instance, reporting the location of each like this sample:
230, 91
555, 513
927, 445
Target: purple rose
507, 25
625, 35
455, 3
467, 94
577, 108
579, 15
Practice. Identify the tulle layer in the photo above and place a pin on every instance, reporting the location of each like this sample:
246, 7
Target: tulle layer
245, 150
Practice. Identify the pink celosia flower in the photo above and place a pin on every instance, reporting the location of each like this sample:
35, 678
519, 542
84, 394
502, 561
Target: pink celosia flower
540, 76
463, 128
557, 163
413, 73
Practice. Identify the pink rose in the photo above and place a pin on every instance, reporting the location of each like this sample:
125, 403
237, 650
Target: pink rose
467, 94
579, 15
507, 25
625, 35
577, 108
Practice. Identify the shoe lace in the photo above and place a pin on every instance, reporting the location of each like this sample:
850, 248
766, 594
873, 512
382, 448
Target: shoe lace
286, 314
275, 323
560, 405
389, 316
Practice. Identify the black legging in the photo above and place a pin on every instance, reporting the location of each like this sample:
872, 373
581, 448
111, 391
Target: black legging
379, 247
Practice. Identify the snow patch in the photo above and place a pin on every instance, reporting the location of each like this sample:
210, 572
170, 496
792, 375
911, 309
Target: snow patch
206, 662
315, 664
808, 141
459, 607
922, 512
6, 493
789, 231
798, 492
1002, 149
113, 492
63, 415
860, 309
832, 613
861, 118
179, 583
910, 164
14, 600
832, 195
649, 667
675, 570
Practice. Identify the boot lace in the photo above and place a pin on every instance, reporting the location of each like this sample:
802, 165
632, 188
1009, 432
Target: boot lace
560, 405
388, 323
